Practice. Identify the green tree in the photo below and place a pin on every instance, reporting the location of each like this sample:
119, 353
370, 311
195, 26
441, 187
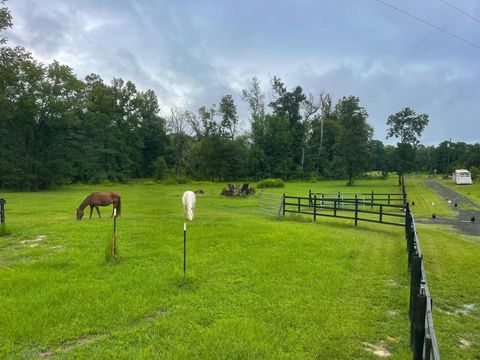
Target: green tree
406, 126
228, 112
354, 136
5, 20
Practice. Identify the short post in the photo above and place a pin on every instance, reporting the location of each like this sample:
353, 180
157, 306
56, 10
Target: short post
356, 210
371, 201
114, 240
419, 326
323, 197
315, 208
184, 248
310, 197
299, 204
381, 213
283, 204
335, 207
388, 199
416, 279
2, 211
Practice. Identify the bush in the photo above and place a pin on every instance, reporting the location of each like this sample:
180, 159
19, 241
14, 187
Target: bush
270, 183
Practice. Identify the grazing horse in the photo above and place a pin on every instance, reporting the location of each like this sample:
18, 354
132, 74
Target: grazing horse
96, 199
189, 202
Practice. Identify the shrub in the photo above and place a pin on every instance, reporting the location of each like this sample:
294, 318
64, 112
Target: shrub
270, 183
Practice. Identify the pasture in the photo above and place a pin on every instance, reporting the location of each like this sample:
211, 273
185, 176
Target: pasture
255, 288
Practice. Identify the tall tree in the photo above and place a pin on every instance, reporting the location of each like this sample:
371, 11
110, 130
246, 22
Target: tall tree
287, 104
406, 126
177, 122
354, 136
228, 112
255, 99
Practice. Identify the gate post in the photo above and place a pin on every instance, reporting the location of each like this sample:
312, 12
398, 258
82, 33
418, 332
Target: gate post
2, 211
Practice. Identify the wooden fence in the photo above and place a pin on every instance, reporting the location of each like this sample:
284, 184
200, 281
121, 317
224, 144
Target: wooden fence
422, 332
352, 209
371, 198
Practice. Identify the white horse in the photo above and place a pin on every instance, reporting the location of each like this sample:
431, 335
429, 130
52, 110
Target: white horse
189, 202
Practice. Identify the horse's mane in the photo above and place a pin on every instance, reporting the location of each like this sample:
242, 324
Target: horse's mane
85, 202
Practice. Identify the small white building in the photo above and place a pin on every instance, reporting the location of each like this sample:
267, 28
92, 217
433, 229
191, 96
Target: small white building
462, 176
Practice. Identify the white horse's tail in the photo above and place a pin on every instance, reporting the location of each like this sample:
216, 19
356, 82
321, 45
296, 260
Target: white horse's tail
189, 201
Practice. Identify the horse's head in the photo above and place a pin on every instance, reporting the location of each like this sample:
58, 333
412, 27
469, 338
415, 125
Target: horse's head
79, 214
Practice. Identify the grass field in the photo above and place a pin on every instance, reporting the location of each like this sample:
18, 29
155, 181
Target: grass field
255, 288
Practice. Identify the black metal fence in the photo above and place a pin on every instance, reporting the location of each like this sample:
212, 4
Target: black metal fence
351, 209
422, 332
2, 211
371, 198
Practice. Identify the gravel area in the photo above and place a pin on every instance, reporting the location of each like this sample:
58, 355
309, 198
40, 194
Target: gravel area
462, 222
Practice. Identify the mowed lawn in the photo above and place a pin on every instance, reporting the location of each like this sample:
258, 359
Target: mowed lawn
255, 288
452, 263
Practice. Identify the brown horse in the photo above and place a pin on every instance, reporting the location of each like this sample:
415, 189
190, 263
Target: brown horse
97, 199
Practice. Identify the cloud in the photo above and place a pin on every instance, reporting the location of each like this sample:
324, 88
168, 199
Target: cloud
192, 53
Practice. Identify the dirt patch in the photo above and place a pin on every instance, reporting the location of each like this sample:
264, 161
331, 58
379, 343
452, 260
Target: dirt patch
392, 283
157, 314
464, 344
465, 309
33, 242
379, 350
72, 345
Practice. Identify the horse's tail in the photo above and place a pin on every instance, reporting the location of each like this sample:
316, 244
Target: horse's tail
119, 206
190, 213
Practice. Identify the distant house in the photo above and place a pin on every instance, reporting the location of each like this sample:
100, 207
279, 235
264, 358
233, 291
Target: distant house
462, 176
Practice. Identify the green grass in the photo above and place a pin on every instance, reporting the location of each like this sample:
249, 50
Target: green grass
427, 201
470, 191
255, 288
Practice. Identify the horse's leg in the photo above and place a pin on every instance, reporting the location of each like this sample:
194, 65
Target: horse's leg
91, 210
98, 211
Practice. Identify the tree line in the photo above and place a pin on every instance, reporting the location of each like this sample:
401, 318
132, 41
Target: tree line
57, 129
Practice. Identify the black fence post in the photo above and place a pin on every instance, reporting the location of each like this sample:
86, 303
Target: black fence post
323, 197
388, 199
299, 204
283, 204
335, 207
2, 211
416, 278
371, 201
381, 213
310, 197
315, 208
419, 326
356, 210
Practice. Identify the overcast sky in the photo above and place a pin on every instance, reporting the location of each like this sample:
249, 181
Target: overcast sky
193, 52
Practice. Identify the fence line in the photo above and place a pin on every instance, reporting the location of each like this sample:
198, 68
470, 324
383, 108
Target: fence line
371, 197
422, 331
343, 208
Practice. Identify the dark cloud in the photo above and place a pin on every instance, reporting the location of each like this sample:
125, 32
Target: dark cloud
192, 53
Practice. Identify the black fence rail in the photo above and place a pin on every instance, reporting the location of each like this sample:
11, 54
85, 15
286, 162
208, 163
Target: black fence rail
370, 198
352, 209
422, 332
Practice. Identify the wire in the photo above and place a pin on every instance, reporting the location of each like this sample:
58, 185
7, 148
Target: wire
460, 10
430, 24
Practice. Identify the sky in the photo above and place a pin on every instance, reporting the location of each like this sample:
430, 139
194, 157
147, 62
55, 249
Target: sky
193, 52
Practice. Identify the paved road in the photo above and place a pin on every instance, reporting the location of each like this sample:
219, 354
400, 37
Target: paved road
463, 221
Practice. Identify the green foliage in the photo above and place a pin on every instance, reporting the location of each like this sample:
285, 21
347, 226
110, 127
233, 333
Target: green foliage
159, 168
354, 136
270, 183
